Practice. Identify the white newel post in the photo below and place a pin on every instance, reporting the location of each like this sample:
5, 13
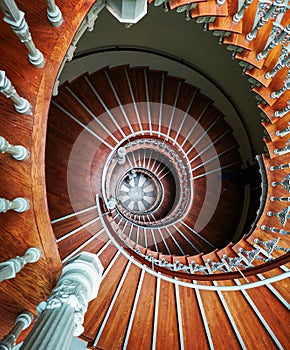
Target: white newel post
62, 315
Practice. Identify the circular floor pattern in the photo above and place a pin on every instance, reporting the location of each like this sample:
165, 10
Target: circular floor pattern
138, 192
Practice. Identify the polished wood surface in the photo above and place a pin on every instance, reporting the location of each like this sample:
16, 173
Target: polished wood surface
209, 8
225, 23
79, 102
19, 231
26, 179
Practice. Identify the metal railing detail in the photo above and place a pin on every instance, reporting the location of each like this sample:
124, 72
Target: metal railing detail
283, 132
226, 263
285, 183
282, 215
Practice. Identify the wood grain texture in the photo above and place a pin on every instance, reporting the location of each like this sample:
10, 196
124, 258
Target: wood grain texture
20, 231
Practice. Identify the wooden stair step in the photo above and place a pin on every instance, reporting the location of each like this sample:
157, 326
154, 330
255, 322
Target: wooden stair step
167, 334
258, 73
209, 8
246, 319
144, 315
226, 24
114, 332
71, 223
214, 311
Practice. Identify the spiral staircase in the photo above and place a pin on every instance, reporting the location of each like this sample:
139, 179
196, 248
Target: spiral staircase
136, 165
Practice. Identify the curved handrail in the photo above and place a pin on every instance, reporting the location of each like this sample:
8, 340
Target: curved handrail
164, 273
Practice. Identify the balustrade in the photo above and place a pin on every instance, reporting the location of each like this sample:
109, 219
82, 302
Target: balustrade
244, 260
240, 14
19, 205
18, 152
15, 18
22, 322
283, 111
265, 11
283, 61
286, 86
7, 89
167, 157
249, 256
53, 13
10, 268
283, 150
61, 317
282, 215
278, 35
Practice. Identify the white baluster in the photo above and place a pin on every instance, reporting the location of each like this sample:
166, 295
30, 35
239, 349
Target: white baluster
54, 14
15, 18
279, 167
283, 150
282, 215
266, 10
278, 35
220, 2
10, 268
283, 111
22, 322
240, 14
283, 132
18, 152
280, 199
275, 230
283, 61
19, 205
286, 86
7, 89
